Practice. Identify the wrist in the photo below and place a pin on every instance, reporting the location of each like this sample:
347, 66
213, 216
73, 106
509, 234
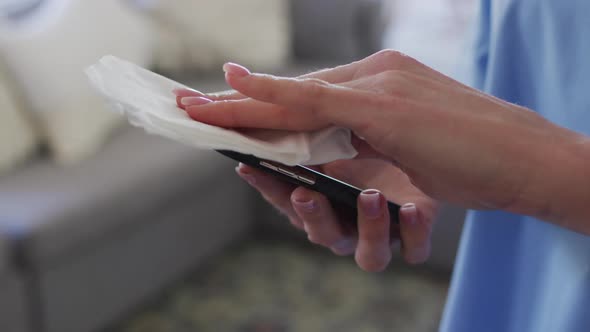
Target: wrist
558, 190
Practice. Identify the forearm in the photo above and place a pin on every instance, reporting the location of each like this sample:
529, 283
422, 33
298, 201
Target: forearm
559, 189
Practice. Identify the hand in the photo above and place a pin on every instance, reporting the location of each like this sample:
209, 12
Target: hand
454, 143
370, 242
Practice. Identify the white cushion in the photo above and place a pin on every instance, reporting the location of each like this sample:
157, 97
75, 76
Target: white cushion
203, 34
47, 52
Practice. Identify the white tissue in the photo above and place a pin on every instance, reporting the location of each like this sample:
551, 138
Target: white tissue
147, 100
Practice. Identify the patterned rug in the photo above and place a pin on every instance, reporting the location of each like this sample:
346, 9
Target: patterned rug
270, 287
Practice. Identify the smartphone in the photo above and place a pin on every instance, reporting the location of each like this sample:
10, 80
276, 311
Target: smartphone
338, 192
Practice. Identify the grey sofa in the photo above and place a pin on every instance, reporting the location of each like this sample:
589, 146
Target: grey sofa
92, 241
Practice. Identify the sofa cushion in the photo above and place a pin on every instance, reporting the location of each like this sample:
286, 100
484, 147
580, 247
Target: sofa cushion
127, 268
55, 208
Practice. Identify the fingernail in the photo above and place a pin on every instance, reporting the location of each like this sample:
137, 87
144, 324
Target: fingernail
344, 246
410, 213
244, 174
371, 203
234, 69
307, 206
180, 91
194, 101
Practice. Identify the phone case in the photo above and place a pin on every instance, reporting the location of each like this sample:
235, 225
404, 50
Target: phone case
336, 191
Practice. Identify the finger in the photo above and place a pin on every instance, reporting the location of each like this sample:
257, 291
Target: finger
321, 100
333, 75
376, 63
274, 191
415, 231
373, 250
381, 61
183, 93
371, 65
249, 113
344, 73
320, 221
246, 113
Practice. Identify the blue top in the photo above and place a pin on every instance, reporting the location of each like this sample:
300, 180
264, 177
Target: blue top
515, 273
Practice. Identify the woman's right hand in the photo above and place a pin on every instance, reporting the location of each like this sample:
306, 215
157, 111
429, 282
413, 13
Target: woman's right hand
455, 143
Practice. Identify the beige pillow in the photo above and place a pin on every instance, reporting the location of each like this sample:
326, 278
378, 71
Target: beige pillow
47, 54
203, 34
17, 137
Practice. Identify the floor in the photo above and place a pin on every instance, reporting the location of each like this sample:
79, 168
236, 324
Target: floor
293, 287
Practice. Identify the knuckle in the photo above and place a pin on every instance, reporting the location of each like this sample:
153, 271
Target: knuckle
315, 81
396, 82
393, 77
264, 87
375, 231
314, 88
389, 55
394, 58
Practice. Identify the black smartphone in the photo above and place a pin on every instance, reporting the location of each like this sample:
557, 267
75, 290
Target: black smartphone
338, 192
